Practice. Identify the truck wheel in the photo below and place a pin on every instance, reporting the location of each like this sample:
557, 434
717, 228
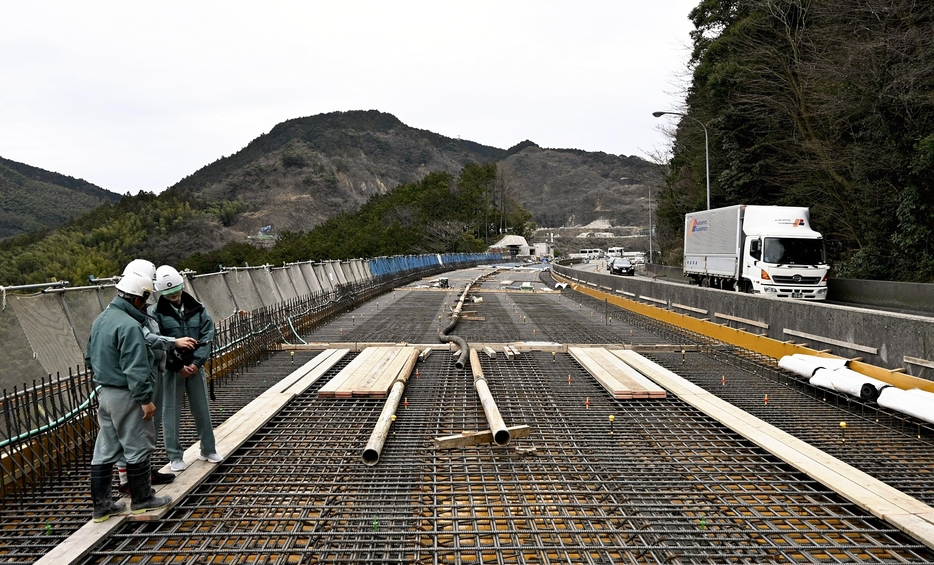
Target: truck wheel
705, 282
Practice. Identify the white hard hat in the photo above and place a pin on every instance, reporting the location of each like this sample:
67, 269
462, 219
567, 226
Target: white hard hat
135, 285
140, 267
168, 281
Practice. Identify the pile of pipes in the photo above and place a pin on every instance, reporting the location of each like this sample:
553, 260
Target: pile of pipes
832, 374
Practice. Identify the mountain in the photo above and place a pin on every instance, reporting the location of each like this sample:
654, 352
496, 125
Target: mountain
570, 187
309, 172
32, 199
309, 169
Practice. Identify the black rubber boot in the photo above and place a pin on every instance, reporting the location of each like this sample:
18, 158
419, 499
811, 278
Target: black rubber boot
161, 478
142, 496
101, 495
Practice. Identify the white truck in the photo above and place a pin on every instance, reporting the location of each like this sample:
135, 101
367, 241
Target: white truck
768, 250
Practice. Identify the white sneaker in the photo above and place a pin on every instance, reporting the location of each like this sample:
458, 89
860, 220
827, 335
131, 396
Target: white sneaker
211, 457
178, 465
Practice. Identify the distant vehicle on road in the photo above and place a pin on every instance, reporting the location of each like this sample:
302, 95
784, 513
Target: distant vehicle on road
615, 252
621, 266
589, 254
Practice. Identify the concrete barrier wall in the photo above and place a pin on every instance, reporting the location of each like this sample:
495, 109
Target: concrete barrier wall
845, 331
298, 280
918, 297
212, 291
46, 333
310, 278
323, 279
335, 267
280, 276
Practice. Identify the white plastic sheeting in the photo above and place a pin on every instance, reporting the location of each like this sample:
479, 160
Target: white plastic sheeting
832, 374
851, 382
805, 365
914, 402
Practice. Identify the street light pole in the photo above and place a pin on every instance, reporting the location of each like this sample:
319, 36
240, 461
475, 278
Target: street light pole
706, 145
650, 227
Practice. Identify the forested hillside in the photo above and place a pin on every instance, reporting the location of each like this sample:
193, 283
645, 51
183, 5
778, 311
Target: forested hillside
440, 213
823, 103
33, 199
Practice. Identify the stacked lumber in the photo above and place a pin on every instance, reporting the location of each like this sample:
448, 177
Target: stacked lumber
370, 374
618, 378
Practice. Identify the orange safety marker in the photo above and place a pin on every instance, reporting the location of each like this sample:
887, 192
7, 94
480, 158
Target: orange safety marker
405, 402
569, 379
416, 372
766, 399
723, 379
587, 403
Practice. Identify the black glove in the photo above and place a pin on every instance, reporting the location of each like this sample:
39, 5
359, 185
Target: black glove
177, 359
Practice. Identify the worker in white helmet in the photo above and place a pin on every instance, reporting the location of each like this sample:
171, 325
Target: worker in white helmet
120, 359
159, 345
179, 314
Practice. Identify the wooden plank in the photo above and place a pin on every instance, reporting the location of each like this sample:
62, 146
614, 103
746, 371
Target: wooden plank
508, 352
380, 387
426, 352
640, 385
656, 300
361, 382
466, 439
689, 308
302, 384
918, 361
325, 357
746, 321
846, 344
330, 388
490, 352
586, 358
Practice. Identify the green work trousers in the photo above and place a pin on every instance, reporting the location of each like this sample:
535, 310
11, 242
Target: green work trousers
174, 389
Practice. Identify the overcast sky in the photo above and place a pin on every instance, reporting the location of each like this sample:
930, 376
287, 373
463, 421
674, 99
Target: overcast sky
135, 96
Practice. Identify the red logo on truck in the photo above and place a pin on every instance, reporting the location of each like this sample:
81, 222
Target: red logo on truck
799, 222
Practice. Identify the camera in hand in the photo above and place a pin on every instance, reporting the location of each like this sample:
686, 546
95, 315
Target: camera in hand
177, 358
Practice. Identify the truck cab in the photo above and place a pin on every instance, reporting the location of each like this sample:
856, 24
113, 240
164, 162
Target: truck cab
785, 259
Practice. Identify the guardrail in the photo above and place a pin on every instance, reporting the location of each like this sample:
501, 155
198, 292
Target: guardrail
898, 342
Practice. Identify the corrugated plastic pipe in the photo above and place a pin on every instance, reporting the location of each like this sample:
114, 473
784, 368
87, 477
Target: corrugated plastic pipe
443, 337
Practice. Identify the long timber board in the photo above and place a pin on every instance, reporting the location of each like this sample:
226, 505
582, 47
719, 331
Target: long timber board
370, 374
618, 378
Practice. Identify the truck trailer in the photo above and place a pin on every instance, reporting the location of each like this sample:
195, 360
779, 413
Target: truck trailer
768, 250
